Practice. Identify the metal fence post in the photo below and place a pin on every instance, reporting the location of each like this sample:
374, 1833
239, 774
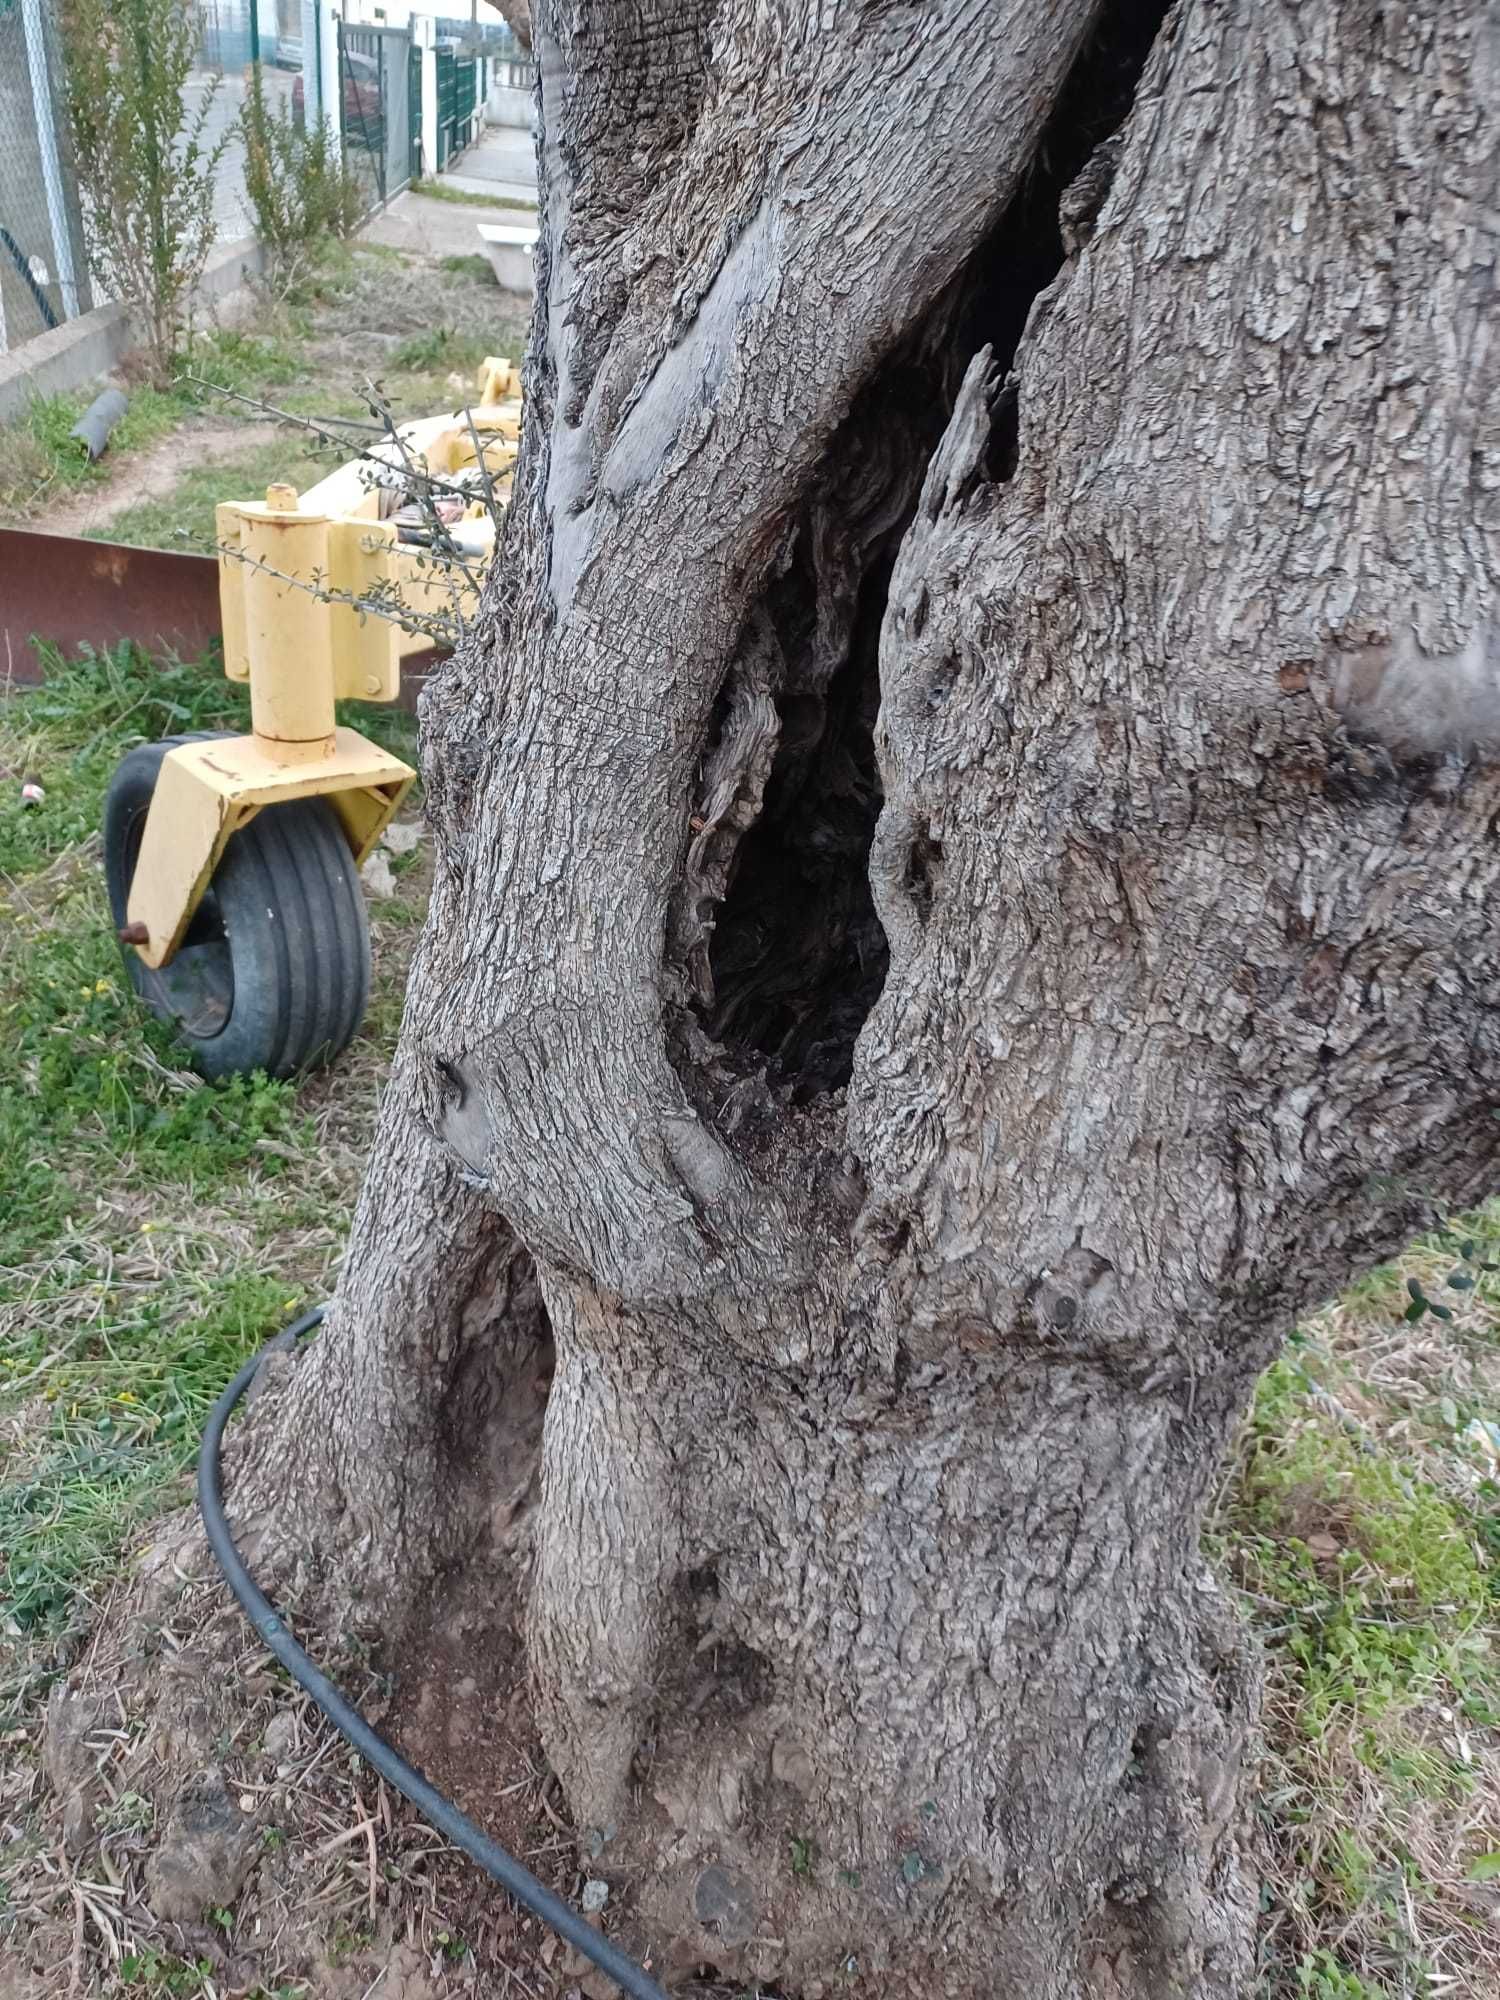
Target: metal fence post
331, 94
312, 43
46, 127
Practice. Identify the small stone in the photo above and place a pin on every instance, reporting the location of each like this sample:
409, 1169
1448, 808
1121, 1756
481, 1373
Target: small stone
205, 1854
595, 1896
281, 1734
377, 877
401, 836
724, 1903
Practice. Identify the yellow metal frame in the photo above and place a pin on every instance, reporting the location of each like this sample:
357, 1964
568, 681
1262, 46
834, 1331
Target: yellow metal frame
299, 653
205, 792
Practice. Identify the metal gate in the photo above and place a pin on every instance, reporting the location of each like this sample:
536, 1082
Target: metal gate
457, 102
447, 98
375, 103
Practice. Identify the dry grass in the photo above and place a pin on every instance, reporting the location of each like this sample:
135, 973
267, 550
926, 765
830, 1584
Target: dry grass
1361, 1519
349, 1886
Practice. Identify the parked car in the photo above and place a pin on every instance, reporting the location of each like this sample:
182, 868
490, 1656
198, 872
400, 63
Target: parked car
361, 100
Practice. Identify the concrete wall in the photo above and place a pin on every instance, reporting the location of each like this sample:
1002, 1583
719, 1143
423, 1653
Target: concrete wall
507, 106
80, 353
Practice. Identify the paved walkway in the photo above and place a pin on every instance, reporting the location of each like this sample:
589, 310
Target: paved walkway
502, 161
434, 228
500, 164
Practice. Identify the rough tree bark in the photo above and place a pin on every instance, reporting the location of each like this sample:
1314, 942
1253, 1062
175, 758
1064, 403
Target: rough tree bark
517, 15
813, 1278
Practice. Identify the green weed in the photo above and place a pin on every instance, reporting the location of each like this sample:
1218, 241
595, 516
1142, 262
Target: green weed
442, 347
1380, 1578
151, 1970
1364, 1545
154, 1229
246, 362
477, 268
1319, 1976
440, 191
72, 731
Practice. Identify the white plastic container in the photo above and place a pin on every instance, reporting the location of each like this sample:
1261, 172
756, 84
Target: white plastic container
509, 247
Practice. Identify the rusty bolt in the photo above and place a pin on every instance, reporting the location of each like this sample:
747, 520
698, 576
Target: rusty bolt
135, 934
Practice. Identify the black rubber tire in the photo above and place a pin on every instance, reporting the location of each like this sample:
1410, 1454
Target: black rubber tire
274, 972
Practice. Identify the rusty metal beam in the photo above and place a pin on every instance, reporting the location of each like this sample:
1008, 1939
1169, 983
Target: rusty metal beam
74, 593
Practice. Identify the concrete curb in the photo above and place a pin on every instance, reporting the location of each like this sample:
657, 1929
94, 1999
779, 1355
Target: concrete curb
80, 351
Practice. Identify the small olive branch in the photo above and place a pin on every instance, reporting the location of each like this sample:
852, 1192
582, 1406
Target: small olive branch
383, 601
387, 460
442, 541
348, 447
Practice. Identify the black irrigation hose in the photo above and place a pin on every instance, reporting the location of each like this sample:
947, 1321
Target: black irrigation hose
377, 1753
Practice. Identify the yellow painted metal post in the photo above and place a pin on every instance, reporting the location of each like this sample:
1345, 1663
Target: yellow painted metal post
286, 630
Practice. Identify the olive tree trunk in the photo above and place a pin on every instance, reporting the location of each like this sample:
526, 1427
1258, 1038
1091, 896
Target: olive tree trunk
966, 901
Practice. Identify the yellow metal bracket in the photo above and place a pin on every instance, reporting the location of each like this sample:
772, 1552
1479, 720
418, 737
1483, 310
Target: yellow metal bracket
207, 791
293, 573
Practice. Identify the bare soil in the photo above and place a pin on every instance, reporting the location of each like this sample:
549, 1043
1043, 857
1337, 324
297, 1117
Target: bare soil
349, 1892
151, 474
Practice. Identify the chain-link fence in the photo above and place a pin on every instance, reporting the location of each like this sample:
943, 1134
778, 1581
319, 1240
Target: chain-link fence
365, 81
235, 33
43, 269
44, 273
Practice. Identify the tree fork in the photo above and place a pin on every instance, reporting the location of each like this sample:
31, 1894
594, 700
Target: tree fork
866, 1614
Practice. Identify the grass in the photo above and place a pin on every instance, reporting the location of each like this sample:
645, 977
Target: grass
186, 513
440, 191
39, 459
474, 267
363, 313
154, 1229
1361, 1523
443, 347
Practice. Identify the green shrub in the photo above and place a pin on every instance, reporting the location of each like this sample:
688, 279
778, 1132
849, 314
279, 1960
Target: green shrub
143, 163
301, 193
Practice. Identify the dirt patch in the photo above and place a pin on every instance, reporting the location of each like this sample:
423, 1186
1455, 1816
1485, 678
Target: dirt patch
151, 474
343, 1886
461, 1715
181, 1736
